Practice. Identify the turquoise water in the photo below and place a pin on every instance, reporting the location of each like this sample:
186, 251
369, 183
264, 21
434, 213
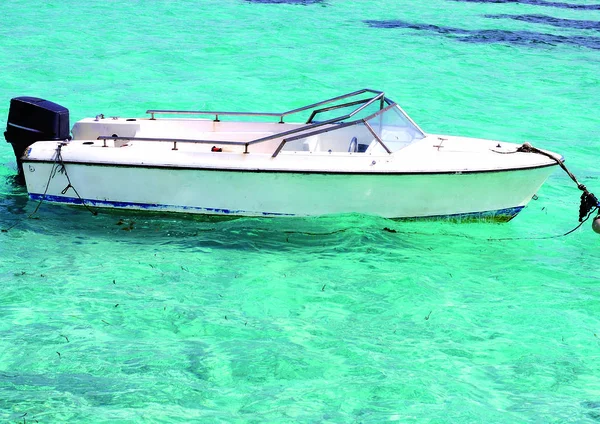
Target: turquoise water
125, 317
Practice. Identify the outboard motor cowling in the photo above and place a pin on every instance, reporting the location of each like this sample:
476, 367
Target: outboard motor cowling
31, 119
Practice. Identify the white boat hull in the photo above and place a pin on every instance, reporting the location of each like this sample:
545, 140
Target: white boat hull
497, 195
369, 158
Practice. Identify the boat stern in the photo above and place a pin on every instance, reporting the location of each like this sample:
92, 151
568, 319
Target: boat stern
31, 119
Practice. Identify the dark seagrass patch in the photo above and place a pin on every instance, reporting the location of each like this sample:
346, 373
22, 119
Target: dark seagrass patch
489, 36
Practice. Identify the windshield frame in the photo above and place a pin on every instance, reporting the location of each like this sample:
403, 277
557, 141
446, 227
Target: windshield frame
336, 125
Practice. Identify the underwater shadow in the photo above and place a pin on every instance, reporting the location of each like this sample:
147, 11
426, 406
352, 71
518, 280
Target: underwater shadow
492, 36
550, 20
560, 5
14, 199
332, 234
299, 2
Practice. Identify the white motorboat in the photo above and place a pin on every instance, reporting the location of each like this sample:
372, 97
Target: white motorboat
356, 153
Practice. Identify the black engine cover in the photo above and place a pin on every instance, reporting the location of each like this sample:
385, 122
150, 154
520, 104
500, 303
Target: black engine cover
31, 119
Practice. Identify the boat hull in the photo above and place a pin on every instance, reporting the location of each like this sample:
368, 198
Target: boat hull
494, 195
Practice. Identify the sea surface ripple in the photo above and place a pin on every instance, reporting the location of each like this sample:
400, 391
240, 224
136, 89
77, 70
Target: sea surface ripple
126, 317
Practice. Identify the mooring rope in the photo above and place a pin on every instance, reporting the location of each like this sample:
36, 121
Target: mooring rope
57, 166
37, 207
547, 237
63, 170
589, 202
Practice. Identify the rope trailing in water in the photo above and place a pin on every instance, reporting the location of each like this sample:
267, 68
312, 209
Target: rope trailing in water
37, 207
589, 202
57, 166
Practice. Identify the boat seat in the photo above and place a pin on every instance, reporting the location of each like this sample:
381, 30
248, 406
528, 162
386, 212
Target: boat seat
310, 144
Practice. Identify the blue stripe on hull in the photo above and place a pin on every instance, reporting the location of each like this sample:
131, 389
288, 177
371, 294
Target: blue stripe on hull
147, 206
501, 215
497, 215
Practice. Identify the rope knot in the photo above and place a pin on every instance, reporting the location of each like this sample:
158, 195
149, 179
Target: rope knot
66, 189
589, 202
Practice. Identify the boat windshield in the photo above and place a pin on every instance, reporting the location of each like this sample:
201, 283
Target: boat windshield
385, 131
394, 128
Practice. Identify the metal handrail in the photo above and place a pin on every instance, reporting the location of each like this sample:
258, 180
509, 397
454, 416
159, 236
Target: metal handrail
281, 115
297, 130
174, 140
333, 99
367, 102
327, 109
341, 125
209, 112
320, 124
298, 133
303, 129
378, 97
322, 131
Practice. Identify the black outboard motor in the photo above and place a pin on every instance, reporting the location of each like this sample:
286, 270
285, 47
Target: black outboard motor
31, 119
